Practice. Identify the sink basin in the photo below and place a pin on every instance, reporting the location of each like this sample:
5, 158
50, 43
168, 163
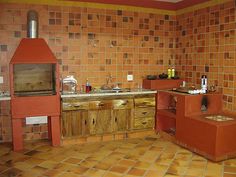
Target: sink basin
112, 91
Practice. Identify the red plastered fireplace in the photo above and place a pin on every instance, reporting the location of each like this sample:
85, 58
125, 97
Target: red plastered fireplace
34, 88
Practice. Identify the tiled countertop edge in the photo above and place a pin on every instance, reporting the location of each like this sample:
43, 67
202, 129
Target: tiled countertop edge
109, 94
5, 98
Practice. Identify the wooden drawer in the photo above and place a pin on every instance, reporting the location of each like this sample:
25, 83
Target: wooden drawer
75, 105
101, 104
122, 104
145, 112
143, 123
145, 102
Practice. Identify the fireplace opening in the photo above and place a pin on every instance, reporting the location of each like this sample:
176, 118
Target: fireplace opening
34, 79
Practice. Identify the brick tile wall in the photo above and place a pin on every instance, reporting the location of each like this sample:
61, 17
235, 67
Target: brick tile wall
94, 43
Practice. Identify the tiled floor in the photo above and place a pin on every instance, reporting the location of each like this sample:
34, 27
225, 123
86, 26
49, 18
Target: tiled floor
150, 157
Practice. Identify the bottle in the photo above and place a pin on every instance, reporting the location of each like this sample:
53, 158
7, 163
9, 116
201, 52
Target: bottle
169, 72
172, 72
204, 83
87, 87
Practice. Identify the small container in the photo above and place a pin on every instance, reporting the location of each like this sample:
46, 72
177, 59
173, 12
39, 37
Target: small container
173, 72
169, 73
88, 87
204, 83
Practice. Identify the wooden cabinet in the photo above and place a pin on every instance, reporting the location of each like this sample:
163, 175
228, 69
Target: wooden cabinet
144, 113
100, 121
122, 118
165, 116
122, 114
103, 115
72, 123
74, 116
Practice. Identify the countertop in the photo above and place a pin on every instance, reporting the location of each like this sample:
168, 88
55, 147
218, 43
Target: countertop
114, 93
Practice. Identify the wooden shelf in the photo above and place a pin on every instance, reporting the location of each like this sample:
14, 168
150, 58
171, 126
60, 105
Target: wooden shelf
167, 112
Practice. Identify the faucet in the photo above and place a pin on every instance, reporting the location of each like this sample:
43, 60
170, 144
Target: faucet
108, 82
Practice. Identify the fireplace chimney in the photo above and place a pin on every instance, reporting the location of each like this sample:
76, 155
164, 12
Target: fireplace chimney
32, 24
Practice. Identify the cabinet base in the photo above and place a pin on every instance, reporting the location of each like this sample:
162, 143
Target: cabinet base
106, 137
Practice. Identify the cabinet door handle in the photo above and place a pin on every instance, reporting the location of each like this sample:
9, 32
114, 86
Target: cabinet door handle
115, 119
93, 121
144, 113
144, 123
85, 122
101, 104
77, 105
125, 103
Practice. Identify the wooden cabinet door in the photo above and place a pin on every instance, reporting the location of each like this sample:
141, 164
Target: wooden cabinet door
144, 118
72, 123
100, 121
66, 124
122, 118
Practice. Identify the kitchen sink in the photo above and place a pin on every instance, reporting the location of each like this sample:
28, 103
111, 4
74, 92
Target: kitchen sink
112, 91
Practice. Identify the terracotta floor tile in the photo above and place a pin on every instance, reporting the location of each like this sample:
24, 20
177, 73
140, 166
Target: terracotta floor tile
37, 170
169, 175
88, 163
180, 162
161, 169
230, 162
30, 173
122, 150
63, 166
112, 174
229, 175
58, 158
142, 165
127, 175
152, 173
150, 157
48, 164
95, 172
119, 169
80, 155
52, 173
73, 160
34, 161
31, 153
11, 172
214, 169
198, 164
176, 170
23, 166
230, 169
195, 172
68, 174
164, 161
79, 170
126, 162
136, 172
3, 168
103, 166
